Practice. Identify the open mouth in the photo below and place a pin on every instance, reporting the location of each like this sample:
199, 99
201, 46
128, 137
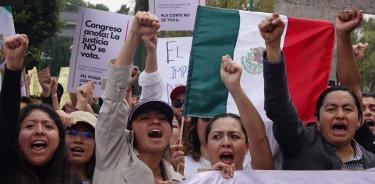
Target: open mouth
339, 127
38, 145
370, 122
77, 150
155, 133
226, 158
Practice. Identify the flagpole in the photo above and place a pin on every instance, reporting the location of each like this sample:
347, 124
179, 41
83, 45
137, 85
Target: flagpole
250, 5
181, 133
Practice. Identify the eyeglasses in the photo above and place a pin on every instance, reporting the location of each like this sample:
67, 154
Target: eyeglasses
177, 103
84, 134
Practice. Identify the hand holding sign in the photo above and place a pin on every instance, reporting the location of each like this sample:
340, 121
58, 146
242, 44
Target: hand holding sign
46, 82
226, 170
178, 161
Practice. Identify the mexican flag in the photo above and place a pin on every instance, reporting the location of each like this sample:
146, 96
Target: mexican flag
307, 45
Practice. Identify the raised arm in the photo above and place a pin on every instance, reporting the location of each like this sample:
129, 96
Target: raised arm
144, 23
288, 130
15, 48
347, 68
84, 97
259, 147
112, 141
150, 79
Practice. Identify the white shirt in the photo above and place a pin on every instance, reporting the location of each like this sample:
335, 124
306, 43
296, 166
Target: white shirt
192, 166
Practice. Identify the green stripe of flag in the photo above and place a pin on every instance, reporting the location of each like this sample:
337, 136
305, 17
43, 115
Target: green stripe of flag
205, 61
9, 8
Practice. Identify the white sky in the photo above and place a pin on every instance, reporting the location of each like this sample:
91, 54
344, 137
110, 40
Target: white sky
113, 5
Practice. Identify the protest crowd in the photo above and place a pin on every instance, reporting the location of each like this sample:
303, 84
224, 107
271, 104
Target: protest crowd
120, 138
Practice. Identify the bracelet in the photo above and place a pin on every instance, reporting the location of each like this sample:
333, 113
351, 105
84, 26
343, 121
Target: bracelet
54, 95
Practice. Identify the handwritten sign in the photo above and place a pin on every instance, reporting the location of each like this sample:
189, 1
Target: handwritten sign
175, 15
173, 62
99, 38
290, 177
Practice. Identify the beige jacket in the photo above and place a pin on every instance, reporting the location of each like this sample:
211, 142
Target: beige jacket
117, 161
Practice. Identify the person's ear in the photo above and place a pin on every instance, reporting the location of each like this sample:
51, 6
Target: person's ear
318, 124
247, 147
205, 151
360, 122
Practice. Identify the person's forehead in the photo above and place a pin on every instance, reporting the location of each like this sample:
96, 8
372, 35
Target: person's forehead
180, 96
82, 126
37, 113
339, 98
368, 100
226, 125
150, 111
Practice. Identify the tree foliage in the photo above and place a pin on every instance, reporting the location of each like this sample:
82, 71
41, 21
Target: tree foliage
233, 4
141, 5
264, 6
99, 6
367, 65
39, 19
58, 49
124, 9
72, 5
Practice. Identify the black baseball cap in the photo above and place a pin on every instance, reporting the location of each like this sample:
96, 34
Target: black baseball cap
144, 106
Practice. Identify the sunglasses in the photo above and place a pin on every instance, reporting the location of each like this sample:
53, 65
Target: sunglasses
177, 103
84, 134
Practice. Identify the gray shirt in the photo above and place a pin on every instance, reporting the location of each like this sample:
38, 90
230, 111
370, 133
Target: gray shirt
116, 159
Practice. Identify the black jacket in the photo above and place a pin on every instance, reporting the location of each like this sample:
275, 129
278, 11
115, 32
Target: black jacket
10, 97
365, 138
302, 148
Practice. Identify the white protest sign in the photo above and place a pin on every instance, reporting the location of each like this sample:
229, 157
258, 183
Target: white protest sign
173, 62
6, 22
290, 177
6, 29
99, 38
175, 15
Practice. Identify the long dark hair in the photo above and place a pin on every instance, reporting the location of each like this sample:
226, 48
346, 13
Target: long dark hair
57, 169
192, 145
90, 167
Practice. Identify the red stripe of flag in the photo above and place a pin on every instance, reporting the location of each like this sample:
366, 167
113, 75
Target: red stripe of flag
308, 48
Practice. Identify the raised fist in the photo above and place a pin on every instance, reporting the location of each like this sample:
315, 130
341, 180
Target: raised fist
145, 23
271, 28
15, 48
348, 20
